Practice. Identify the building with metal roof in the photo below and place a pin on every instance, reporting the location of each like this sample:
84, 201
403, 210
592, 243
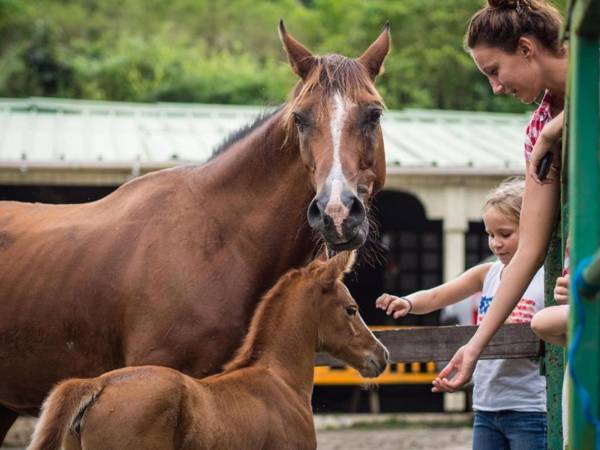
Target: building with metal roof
63, 135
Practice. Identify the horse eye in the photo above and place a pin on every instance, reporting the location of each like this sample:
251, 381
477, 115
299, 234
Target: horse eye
300, 121
375, 115
351, 310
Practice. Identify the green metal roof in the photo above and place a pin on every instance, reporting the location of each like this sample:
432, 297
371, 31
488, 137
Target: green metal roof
66, 133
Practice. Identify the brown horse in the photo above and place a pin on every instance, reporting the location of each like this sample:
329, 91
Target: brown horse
260, 401
168, 268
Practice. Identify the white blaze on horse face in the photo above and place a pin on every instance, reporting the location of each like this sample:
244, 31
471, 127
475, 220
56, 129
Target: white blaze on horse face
336, 181
369, 330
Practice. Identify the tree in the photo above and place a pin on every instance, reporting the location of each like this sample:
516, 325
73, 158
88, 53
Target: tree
228, 52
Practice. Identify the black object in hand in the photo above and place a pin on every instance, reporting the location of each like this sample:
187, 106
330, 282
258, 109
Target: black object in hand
544, 167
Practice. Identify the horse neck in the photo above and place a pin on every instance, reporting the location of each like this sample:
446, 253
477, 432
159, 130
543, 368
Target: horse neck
283, 336
266, 189
264, 164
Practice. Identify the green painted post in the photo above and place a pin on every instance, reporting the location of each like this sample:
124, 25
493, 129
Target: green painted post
584, 203
553, 363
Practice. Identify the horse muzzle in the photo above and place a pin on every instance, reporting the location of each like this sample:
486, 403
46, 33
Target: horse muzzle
342, 222
376, 362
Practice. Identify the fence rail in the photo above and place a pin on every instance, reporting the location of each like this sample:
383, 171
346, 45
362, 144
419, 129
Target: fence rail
425, 344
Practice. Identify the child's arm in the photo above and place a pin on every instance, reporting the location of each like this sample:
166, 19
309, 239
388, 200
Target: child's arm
550, 324
423, 302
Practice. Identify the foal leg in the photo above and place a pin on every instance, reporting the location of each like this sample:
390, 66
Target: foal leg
7, 418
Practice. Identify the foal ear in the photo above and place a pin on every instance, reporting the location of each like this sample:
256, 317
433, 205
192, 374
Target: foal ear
300, 58
345, 261
335, 268
322, 255
372, 59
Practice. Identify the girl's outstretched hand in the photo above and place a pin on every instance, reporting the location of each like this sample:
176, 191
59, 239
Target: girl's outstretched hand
395, 306
458, 371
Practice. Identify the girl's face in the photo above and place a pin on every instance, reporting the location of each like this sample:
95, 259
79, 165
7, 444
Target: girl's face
503, 234
513, 74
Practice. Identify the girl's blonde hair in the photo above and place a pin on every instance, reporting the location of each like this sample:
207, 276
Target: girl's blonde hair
507, 198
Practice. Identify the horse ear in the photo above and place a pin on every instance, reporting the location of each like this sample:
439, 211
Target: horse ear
372, 59
300, 58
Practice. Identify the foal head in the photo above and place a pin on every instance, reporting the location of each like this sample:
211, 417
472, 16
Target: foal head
334, 115
341, 330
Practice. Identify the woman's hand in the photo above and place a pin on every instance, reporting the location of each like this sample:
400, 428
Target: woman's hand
546, 141
392, 305
561, 290
458, 371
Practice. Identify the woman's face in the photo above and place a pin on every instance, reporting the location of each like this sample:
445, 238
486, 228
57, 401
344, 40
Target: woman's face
513, 74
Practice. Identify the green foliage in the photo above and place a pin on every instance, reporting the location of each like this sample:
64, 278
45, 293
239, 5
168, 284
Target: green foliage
229, 52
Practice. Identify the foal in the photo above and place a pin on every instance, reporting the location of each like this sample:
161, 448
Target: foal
260, 401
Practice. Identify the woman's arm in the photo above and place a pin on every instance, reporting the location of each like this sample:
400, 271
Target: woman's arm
538, 216
428, 300
547, 141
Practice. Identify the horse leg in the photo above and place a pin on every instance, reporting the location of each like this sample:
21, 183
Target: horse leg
7, 418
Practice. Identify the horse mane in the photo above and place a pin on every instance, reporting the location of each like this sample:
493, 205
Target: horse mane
249, 351
242, 132
330, 74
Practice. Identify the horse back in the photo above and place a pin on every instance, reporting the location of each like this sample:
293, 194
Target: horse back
248, 408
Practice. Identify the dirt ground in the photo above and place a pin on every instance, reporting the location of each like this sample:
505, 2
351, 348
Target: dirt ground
394, 432
345, 432
399, 439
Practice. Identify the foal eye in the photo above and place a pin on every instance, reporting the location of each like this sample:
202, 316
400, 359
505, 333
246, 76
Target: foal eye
351, 310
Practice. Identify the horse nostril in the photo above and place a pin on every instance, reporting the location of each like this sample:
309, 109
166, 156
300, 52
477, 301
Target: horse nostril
314, 213
357, 209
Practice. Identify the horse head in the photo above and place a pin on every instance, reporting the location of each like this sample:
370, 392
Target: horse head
341, 330
333, 114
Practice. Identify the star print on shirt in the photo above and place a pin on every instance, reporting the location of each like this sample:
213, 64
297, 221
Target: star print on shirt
523, 312
484, 305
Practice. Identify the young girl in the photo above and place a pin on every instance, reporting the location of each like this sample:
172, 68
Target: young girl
516, 45
509, 395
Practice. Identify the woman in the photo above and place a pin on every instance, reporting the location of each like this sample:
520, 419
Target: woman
516, 45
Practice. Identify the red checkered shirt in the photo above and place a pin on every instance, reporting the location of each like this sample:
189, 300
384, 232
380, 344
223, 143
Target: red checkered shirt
540, 117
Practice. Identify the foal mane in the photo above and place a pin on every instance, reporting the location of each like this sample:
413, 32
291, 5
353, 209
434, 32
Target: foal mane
266, 312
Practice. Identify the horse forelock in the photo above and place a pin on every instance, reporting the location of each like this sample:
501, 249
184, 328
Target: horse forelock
267, 311
331, 75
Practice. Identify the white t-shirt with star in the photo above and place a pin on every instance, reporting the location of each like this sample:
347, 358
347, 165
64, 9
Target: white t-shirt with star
510, 384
